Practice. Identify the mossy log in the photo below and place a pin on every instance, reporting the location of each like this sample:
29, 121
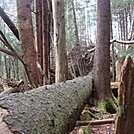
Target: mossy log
50, 109
124, 123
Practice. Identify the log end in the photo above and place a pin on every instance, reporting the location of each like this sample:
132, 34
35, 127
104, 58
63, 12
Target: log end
4, 128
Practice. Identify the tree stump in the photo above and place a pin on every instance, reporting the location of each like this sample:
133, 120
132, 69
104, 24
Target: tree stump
124, 123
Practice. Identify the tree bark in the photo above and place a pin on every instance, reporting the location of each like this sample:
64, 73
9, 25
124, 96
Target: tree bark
27, 39
125, 116
46, 45
51, 109
60, 41
39, 40
102, 51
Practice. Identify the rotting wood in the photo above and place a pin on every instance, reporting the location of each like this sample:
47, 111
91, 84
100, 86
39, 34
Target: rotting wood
124, 123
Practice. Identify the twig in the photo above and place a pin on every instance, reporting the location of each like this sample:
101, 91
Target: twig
95, 122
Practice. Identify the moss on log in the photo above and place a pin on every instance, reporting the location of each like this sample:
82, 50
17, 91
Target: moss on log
51, 109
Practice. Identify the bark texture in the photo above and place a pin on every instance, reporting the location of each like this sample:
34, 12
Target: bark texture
46, 45
27, 39
38, 37
102, 51
51, 109
125, 116
60, 41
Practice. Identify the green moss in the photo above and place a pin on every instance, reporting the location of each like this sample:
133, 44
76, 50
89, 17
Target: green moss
85, 130
102, 105
85, 115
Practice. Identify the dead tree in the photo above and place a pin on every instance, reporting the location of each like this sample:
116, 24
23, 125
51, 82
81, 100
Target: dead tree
125, 116
51, 109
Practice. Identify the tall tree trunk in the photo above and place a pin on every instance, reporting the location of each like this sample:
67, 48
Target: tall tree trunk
6, 67
27, 39
46, 45
113, 52
60, 41
39, 38
75, 23
132, 24
42, 111
102, 51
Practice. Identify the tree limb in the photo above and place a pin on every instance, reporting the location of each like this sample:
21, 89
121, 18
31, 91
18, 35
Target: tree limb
95, 122
4, 50
122, 42
10, 24
6, 43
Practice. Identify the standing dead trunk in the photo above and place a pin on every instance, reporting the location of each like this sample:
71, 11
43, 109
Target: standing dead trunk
125, 116
51, 109
27, 39
61, 73
118, 64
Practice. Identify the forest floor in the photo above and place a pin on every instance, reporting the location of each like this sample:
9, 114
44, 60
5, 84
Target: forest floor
96, 129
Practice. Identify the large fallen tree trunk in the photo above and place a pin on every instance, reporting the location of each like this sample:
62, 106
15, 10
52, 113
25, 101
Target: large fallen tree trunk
51, 109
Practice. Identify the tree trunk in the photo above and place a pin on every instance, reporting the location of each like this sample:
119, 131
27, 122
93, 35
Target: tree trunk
46, 45
27, 39
102, 51
39, 42
125, 116
51, 109
60, 41
75, 23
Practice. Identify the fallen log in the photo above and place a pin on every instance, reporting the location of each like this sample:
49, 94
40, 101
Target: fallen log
95, 122
51, 109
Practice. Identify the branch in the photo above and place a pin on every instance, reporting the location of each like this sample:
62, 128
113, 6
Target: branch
6, 43
4, 50
10, 24
122, 42
96, 122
